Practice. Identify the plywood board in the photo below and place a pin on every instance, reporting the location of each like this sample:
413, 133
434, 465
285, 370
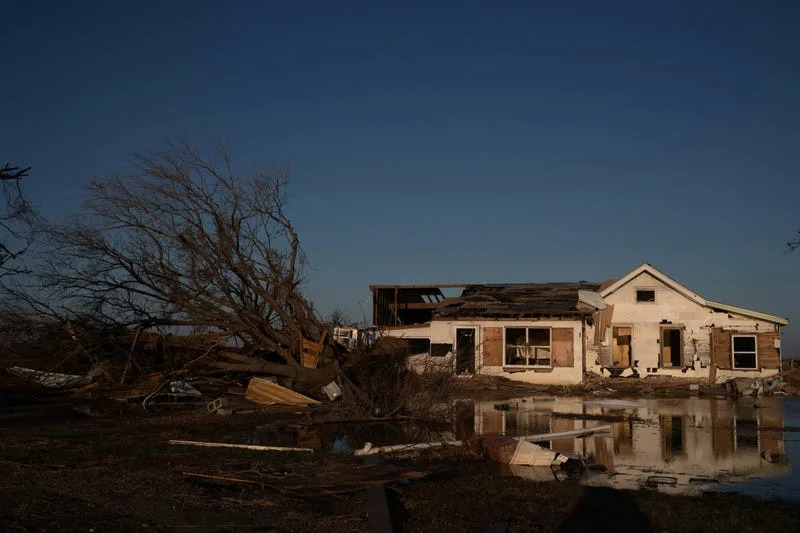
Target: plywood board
263, 391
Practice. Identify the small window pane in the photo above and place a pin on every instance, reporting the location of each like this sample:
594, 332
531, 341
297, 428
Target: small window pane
744, 344
539, 336
515, 335
645, 295
744, 360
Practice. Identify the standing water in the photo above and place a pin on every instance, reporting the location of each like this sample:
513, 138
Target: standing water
679, 446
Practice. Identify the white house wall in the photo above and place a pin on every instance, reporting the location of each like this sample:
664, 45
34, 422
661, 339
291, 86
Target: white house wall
678, 310
444, 331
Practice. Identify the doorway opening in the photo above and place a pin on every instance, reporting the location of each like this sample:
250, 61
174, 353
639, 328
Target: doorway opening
465, 350
671, 348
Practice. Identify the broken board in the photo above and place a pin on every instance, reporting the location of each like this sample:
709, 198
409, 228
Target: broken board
263, 391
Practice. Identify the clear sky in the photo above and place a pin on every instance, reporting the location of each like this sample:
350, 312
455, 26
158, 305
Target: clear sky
447, 142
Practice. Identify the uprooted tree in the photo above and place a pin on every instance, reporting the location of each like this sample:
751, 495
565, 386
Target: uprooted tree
184, 241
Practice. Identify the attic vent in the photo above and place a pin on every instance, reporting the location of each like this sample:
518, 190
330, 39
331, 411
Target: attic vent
645, 295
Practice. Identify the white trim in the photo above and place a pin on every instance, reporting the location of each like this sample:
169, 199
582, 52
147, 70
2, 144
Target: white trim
754, 314
754, 352
680, 289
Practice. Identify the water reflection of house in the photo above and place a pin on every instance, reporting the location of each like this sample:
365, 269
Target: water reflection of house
644, 323
693, 441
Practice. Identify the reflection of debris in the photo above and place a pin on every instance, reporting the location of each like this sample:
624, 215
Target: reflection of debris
369, 449
662, 480
614, 404
580, 432
241, 446
264, 391
509, 450
52, 379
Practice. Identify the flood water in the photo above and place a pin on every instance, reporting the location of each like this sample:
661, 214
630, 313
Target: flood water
678, 446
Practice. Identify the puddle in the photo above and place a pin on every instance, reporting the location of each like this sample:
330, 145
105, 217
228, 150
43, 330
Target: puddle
677, 446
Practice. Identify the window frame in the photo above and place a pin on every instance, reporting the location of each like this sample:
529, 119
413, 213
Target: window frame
645, 289
527, 341
754, 352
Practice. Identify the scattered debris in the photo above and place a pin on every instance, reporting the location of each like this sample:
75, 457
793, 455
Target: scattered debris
242, 446
182, 387
369, 449
332, 391
512, 451
53, 380
263, 391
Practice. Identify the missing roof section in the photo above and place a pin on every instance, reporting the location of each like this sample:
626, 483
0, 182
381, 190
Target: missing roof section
519, 300
403, 305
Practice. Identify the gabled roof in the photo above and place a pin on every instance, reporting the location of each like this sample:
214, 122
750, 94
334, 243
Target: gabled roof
681, 289
518, 300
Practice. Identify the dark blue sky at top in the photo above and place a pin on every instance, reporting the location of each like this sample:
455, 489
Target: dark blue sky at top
446, 142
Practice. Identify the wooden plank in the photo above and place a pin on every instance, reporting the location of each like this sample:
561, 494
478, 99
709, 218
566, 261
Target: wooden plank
768, 356
240, 446
492, 346
721, 354
263, 391
563, 347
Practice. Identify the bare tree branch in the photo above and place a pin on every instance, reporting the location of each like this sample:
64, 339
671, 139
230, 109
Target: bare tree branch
183, 240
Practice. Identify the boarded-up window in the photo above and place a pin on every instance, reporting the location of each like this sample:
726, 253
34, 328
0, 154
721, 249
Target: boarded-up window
621, 346
563, 347
492, 346
768, 355
721, 348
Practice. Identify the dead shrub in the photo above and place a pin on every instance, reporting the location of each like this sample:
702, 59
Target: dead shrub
381, 384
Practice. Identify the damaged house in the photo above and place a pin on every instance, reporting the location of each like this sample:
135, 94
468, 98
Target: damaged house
644, 323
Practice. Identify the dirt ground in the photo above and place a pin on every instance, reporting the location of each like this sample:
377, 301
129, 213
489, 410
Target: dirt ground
69, 464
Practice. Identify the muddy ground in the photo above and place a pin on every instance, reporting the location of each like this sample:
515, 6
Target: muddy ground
69, 464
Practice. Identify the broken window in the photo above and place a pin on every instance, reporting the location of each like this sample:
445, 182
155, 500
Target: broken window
744, 351
645, 295
528, 347
418, 346
440, 349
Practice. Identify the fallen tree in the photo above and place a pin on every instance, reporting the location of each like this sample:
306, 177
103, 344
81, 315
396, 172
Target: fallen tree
183, 242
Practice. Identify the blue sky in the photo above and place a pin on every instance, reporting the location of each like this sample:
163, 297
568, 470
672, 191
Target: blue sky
447, 142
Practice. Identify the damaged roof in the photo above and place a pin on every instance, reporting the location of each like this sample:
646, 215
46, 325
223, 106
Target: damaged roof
518, 300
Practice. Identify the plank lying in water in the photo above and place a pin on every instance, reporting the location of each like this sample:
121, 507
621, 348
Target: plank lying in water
580, 432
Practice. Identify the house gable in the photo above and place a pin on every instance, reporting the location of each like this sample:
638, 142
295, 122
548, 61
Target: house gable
645, 276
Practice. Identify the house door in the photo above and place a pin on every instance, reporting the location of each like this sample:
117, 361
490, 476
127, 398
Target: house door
465, 350
621, 346
671, 348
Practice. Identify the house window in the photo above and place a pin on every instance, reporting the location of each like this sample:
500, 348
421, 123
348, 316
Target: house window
528, 347
744, 351
418, 346
645, 295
